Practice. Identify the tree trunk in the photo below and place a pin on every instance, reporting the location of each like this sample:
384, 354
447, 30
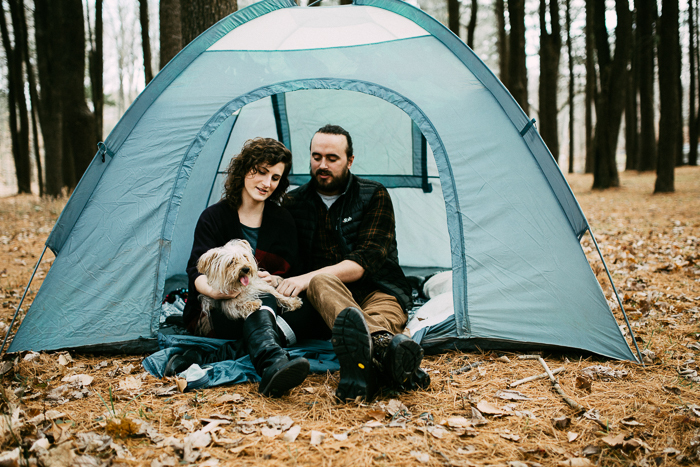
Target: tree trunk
502, 42
570, 57
471, 27
196, 16
611, 99
79, 142
48, 21
96, 72
646, 15
679, 130
631, 110
550, 55
692, 108
517, 68
17, 104
453, 16
692, 128
668, 96
33, 97
145, 40
170, 30
591, 86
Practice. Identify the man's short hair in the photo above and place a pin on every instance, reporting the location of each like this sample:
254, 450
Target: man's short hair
337, 130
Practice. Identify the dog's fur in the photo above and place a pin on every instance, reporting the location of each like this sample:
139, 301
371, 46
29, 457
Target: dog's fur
232, 269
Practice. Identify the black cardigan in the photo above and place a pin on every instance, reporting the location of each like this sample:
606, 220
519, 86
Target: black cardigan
276, 252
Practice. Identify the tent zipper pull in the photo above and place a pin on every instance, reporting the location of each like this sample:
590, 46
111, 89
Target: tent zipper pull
104, 150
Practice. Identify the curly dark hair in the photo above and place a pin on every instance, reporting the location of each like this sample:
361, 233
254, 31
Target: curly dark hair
255, 153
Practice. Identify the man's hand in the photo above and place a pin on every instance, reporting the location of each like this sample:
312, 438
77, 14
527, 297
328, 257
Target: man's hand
273, 280
293, 286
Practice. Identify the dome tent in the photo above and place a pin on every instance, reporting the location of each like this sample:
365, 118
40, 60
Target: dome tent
475, 189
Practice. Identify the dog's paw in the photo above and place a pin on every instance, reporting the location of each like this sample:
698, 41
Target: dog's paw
290, 303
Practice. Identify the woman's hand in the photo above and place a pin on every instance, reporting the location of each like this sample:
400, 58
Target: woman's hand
202, 285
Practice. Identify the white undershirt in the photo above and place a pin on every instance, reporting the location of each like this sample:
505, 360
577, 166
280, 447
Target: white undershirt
328, 200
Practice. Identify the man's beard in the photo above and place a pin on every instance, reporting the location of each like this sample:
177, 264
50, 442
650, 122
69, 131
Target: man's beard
334, 184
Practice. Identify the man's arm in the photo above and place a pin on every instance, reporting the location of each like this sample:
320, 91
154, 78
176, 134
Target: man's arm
347, 271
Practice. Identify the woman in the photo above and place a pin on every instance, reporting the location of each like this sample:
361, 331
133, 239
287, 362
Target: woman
256, 182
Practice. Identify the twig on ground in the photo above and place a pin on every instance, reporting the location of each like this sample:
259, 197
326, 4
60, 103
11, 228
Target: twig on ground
466, 368
533, 378
555, 383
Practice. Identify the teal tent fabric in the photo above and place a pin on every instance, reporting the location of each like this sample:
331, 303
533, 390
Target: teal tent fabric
472, 191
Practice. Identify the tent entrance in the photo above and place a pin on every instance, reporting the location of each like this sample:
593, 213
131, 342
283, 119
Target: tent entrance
394, 143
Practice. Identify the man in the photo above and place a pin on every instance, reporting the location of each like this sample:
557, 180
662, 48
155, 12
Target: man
347, 239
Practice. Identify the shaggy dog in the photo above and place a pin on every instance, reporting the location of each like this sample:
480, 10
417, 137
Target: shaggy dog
232, 270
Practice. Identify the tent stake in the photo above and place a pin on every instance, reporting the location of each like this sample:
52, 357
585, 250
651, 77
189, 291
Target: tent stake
26, 289
619, 301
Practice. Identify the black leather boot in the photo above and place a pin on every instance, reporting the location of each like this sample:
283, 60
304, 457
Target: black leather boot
397, 358
179, 362
264, 342
353, 346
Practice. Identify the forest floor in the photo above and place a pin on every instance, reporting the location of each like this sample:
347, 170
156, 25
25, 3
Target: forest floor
71, 409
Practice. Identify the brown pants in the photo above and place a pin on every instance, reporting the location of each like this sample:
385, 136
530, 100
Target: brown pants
330, 296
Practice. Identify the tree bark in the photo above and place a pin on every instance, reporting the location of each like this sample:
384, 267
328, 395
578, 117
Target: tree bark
145, 40
570, 57
692, 127
550, 55
646, 16
517, 68
79, 142
196, 16
17, 104
96, 73
591, 87
668, 96
48, 21
33, 96
611, 99
453, 16
679, 129
632, 109
170, 30
471, 27
502, 42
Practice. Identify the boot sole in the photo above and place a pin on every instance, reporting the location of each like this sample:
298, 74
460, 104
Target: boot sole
353, 346
287, 377
406, 357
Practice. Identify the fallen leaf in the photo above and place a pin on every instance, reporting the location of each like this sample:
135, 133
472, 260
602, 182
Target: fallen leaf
510, 436
583, 383
282, 423
270, 432
340, 437
503, 359
511, 395
64, 359
630, 421
422, 457
571, 436
376, 415
316, 437
374, 424
488, 409
82, 380
394, 406
41, 443
291, 435
458, 422
310, 390
576, 462
561, 423
614, 441
591, 450
228, 398
437, 431
31, 355
130, 383
10, 458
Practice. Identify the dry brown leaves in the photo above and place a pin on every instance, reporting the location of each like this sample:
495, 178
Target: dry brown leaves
63, 409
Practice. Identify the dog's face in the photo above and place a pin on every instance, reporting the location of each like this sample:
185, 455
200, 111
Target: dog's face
230, 268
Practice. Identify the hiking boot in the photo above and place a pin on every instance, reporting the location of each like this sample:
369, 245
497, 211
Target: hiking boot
179, 362
264, 342
398, 358
353, 346
418, 380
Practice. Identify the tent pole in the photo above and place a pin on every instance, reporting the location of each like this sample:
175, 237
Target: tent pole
9, 329
619, 301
